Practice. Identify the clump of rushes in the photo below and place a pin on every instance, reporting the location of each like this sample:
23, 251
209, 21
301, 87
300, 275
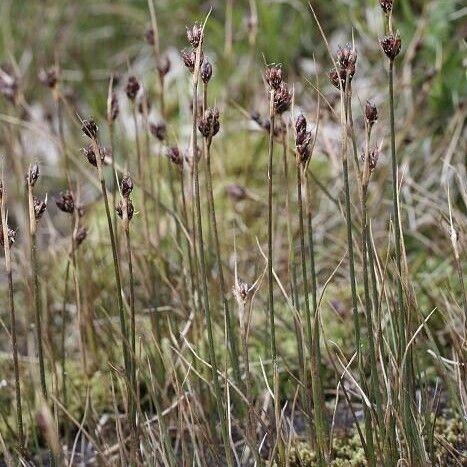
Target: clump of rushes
279, 101
37, 208
195, 36
209, 126
341, 77
125, 211
303, 139
90, 129
391, 45
7, 238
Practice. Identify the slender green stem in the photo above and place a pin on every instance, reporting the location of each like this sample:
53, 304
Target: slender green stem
319, 418
318, 393
207, 310
368, 425
272, 327
374, 380
133, 383
118, 282
231, 337
415, 444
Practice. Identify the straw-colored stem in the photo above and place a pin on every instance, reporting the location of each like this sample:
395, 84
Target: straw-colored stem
14, 342
37, 292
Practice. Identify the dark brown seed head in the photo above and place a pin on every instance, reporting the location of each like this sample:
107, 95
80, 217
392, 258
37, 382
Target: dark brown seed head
89, 128
80, 235
300, 124
386, 5
163, 65
189, 58
91, 155
175, 155
131, 209
49, 76
391, 45
347, 59
65, 202
208, 124
339, 76
273, 76
39, 207
9, 83
149, 36
302, 140
126, 186
11, 237
113, 108
206, 72
33, 175
236, 192
371, 113
373, 156
158, 130
194, 34
132, 88
282, 99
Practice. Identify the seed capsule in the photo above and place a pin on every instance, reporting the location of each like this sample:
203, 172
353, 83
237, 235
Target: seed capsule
126, 186
273, 76
282, 99
158, 130
65, 202
391, 45
39, 207
206, 72
89, 128
371, 113
33, 174
208, 124
131, 209
194, 35
386, 5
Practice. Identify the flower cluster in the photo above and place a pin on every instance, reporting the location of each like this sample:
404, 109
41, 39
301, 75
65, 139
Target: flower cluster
208, 124
281, 95
391, 45
302, 140
346, 61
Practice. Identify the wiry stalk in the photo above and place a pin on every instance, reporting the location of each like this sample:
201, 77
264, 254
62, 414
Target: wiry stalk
318, 393
346, 98
272, 326
11, 303
118, 282
207, 310
231, 337
37, 290
374, 380
319, 422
